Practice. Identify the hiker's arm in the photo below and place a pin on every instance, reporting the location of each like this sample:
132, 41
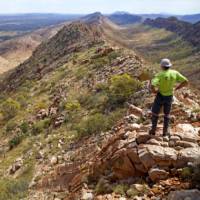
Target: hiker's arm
154, 89
182, 80
181, 85
155, 83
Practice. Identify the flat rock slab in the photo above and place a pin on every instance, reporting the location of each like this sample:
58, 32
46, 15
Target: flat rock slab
187, 155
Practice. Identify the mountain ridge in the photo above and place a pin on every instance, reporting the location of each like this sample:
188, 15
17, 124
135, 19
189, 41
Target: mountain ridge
189, 32
80, 36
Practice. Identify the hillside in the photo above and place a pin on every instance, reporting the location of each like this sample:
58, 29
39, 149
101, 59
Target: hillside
189, 32
66, 78
122, 18
191, 18
153, 44
74, 121
17, 50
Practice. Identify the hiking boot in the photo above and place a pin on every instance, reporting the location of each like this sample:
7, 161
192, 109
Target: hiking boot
154, 121
166, 133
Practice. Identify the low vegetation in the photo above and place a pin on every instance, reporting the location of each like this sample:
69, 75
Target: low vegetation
85, 104
9, 108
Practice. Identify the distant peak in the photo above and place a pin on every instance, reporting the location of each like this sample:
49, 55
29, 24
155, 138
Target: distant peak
92, 18
121, 13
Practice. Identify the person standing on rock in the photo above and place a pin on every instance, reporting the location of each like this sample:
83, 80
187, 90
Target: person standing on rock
163, 85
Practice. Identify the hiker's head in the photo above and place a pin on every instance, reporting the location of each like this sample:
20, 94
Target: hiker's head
165, 64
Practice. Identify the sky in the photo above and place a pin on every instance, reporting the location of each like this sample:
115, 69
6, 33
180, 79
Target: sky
104, 6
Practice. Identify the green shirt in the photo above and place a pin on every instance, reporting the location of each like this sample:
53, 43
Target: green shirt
166, 80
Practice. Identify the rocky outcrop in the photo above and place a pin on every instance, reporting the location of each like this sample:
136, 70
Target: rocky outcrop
139, 153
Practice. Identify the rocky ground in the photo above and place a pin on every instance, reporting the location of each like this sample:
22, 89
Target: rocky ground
124, 163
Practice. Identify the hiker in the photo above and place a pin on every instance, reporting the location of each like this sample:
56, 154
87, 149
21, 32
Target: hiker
163, 85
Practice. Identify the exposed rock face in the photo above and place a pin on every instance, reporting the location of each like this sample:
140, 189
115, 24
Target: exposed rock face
124, 153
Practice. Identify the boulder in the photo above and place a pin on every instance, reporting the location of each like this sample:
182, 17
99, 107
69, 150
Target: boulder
134, 127
42, 114
187, 155
151, 154
133, 155
131, 118
54, 160
142, 137
146, 158
153, 142
187, 132
123, 168
186, 144
87, 196
184, 195
135, 111
157, 174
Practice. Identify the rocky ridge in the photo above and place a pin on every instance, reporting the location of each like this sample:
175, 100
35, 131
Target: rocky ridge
126, 153
53, 53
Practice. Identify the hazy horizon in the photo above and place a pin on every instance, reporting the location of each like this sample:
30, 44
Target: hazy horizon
59, 13
176, 7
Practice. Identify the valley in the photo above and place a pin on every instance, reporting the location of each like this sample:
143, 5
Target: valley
153, 44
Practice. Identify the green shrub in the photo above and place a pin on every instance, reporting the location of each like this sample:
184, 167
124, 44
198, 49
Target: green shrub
196, 173
186, 173
113, 55
72, 106
22, 99
99, 63
121, 189
122, 87
101, 87
40, 126
10, 108
145, 75
14, 189
115, 116
103, 187
24, 127
40, 105
93, 124
132, 192
73, 111
11, 125
81, 73
16, 140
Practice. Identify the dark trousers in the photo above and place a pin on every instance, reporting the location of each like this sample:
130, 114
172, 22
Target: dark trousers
159, 102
